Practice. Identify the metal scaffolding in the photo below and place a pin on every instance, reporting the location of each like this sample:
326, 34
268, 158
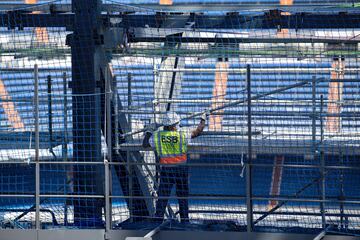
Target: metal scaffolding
122, 67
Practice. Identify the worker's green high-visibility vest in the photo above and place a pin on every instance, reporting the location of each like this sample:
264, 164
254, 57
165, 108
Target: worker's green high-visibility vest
171, 147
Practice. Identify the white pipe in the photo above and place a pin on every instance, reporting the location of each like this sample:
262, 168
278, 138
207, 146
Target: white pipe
257, 70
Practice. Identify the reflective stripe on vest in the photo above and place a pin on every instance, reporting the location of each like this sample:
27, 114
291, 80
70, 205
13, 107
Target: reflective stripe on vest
170, 147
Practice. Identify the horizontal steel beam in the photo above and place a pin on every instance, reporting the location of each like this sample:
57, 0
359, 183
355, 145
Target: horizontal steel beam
231, 7
287, 213
19, 18
189, 164
194, 197
273, 114
243, 6
299, 147
96, 234
235, 21
240, 197
22, 20
267, 70
58, 7
46, 8
234, 40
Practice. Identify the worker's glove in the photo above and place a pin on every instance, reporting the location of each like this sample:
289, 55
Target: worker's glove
151, 128
205, 115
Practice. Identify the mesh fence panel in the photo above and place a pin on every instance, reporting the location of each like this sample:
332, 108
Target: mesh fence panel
304, 117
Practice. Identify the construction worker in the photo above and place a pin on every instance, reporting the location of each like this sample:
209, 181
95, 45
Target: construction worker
170, 147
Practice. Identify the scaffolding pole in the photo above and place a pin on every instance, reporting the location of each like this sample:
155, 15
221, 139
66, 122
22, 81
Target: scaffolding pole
50, 117
322, 164
249, 203
37, 166
317, 70
108, 129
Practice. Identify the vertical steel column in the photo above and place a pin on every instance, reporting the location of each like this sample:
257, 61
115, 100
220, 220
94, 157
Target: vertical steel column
129, 100
108, 220
115, 116
313, 122
315, 148
64, 148
108, 127
343, 220
321, 118
65, 120
50, 111
249, 203
86, 53
130, 186
37, 164
128, 153
322, 159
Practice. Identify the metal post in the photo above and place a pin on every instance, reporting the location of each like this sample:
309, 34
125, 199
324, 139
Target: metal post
86, 54
249, 203
313, 124
116, 115
313, 128
128, 156
69, 168
129, 100
37, 164
107, 198
343, 222
64, 148
322, 163
50, 111
321, 118
130, 170
108, 127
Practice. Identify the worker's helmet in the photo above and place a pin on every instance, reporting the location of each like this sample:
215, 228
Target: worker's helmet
171, 119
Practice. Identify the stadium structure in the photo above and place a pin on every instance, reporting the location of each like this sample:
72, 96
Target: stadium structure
82, 83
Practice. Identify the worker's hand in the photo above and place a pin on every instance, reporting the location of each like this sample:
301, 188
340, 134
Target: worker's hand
151, 128
205, 115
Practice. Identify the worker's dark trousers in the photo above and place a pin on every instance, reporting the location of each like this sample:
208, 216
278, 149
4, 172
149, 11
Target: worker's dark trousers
170, 176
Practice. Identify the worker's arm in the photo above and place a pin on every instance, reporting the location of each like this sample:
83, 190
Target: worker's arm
148, 133
146, 140
201, 126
